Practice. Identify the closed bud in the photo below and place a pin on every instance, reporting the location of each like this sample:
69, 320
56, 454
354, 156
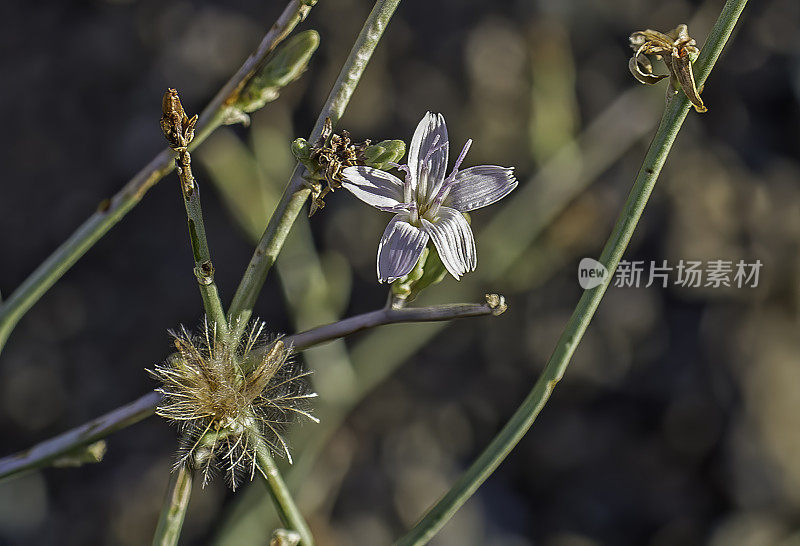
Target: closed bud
291, 60
428, 271
285, 66
383, 153
301, 149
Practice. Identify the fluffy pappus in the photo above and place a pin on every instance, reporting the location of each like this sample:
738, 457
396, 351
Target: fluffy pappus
223, 392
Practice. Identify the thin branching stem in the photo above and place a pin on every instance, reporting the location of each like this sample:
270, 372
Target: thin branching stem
204, 267
284, 502
523, 418
292, 201
179, 131
389, 315
176, 501
297, 192
110, 211
43, 454
287, 210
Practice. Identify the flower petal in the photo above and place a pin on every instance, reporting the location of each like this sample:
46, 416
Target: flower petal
427, 154
479, 186
400, 248
453, 239
373, 186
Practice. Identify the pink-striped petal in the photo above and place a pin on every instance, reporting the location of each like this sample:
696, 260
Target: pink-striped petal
427, 154
453, 239
374, 186
399, 249
479, 186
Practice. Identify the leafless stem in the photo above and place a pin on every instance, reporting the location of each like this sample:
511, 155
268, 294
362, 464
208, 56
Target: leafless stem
45, 453
495, 305
110, 211
48, 451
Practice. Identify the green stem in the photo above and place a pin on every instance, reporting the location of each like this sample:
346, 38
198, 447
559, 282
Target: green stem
523, 418
287, 508
494, 305
173, 513
289, 207
203, 266
110, 211
43, 454
179, 490
296, 193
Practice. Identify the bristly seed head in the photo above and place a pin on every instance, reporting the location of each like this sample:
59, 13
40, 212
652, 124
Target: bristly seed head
221, 391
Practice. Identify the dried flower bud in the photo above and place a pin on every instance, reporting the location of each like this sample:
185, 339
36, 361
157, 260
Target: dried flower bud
177, 127
221, 391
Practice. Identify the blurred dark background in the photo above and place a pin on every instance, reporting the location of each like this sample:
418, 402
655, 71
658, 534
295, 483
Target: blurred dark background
678, 421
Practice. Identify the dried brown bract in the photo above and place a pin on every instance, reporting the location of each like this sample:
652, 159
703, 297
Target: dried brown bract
678, 50
222, 392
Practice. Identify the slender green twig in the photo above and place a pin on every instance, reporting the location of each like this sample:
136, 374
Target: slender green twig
176, 501
292, 201
296, 192
43, 454
110, 211
178, 129
494, 305
505, 238
523, 418
287, 508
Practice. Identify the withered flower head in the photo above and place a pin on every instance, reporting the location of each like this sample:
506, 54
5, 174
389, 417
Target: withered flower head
331, 153
678, 50
178, 128
222, 392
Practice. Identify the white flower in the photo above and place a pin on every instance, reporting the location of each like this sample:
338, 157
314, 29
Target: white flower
428, 204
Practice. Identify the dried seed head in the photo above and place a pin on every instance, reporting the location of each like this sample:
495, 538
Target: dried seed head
222, 391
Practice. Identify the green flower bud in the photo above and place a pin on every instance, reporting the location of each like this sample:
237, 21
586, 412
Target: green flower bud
429, 271
381, 154
434, 272
301, 149
290, 61
285, 66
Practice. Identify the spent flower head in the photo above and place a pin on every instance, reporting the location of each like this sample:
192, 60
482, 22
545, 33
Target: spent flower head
332, 153
678, 50
428, 204
220, 391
